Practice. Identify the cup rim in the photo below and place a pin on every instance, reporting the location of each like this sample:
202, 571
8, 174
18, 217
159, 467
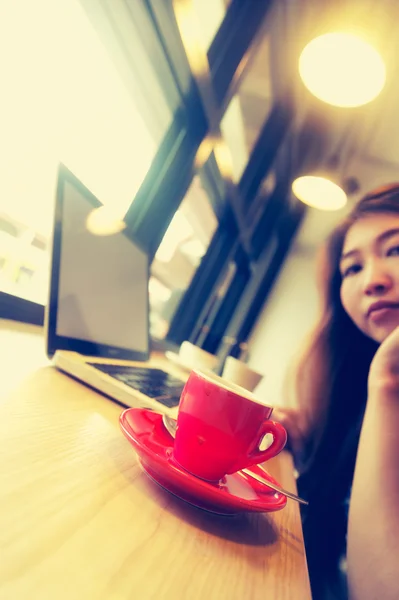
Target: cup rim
232, 387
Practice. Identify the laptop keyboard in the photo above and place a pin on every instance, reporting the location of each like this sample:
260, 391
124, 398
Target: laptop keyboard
155, 383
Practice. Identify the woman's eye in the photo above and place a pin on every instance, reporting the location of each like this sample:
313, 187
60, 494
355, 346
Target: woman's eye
394, 251
352, 270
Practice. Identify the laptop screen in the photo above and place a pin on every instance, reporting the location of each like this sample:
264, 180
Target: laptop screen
100, 282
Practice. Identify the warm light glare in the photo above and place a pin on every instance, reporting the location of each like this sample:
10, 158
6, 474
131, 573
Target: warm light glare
190, 32
224, 159
319, 192
342, 69
204, 151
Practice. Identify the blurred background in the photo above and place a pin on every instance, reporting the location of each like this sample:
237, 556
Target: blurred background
198, 124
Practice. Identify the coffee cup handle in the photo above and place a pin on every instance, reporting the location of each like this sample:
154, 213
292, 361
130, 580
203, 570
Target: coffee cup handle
279, 440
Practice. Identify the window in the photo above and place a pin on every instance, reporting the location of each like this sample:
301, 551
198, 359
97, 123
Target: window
210, 14
215, 302
23, 261
257, 207
179, 254
63, 99
106, 88
248, 109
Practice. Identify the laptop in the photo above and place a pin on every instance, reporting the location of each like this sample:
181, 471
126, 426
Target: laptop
97, 317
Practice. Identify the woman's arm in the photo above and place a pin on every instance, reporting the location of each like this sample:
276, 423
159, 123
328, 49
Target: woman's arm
373, 532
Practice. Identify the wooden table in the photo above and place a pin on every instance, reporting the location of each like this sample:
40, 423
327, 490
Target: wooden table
79, 519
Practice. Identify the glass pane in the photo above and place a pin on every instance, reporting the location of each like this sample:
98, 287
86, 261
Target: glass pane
23, 260
210, 14
179, 254
258, 205
216, 302
248, 110
62, 100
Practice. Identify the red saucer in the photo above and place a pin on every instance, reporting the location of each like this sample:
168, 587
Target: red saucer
233, 494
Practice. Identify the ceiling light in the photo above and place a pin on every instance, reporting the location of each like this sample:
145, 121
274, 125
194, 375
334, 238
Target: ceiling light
319, 192
342, 69
104, 221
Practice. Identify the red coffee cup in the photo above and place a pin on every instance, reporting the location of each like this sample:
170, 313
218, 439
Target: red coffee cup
220, 427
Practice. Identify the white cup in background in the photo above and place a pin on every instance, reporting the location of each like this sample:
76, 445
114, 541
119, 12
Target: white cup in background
241, 374
197, 358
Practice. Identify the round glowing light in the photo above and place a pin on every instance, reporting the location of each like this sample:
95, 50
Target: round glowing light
319, 192
342, 69
104, 221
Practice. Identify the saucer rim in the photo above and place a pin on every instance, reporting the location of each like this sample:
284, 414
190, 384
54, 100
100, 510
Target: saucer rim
204, 508
216, 493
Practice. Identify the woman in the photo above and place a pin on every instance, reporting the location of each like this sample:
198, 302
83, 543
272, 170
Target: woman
340, 381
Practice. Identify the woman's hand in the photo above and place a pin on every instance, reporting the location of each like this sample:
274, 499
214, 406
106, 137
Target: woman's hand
291, 420
373, 532
384, 369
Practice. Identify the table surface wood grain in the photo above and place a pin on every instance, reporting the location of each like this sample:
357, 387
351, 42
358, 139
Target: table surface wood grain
79, 519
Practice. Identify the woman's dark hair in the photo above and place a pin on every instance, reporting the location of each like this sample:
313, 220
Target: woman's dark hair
331, 390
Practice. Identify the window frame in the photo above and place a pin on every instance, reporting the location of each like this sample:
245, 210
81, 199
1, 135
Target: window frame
173, 167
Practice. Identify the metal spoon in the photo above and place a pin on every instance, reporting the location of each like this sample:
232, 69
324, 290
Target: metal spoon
171, 426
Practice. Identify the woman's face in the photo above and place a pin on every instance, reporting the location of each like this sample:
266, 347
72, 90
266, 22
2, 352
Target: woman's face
370, 275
